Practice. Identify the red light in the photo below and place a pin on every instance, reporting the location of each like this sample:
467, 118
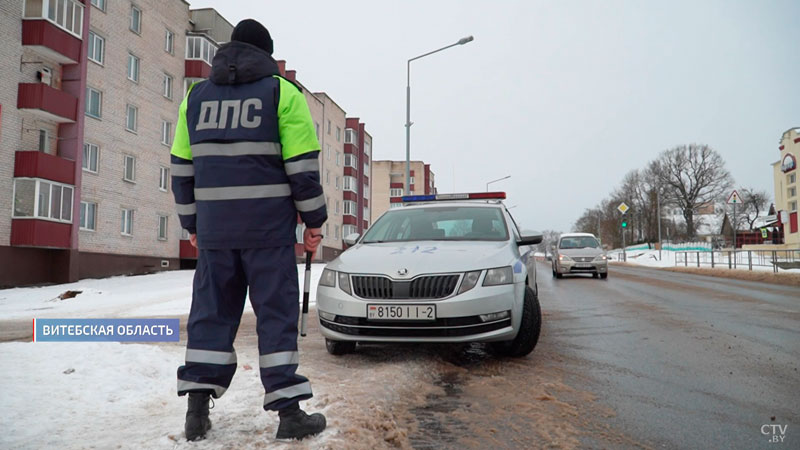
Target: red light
492, 195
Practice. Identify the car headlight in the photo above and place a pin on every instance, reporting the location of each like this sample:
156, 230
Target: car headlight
498, 276
601, 258
469, 281
328, 278
344, 282
564, 258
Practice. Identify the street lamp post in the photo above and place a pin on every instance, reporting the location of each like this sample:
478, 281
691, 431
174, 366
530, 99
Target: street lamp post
494, 181
461, 41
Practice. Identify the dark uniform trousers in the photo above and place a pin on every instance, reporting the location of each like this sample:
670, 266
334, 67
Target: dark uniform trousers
220, 286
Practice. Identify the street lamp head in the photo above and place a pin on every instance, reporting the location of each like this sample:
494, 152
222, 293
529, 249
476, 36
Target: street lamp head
464, 40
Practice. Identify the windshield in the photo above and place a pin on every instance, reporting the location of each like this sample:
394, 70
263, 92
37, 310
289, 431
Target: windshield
579, 242
458, 223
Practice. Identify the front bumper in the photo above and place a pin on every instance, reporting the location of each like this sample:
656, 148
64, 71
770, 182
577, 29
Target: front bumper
582, 267
457, 318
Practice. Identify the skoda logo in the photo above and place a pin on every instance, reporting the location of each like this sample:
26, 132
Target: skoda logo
402, 272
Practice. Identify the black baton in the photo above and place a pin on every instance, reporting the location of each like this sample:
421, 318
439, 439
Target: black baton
306, 288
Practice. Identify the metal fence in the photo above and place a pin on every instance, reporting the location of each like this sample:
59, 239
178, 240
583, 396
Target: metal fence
740, 258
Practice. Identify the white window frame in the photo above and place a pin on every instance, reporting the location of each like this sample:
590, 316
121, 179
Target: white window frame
99, 4
350, 208
89, 91
327, 177
351, 160
338, 134
329, 126
163, 179
791, 192
338, 159
793, 206
84, 216
37, 199
126, 222
166, 132
138, 28
128, 109
165, 235
125, 159
351, 136
169, 41
328, 151
336, 182
395, 192
792, 177
75, 27
168, 84
350, 184
336, 232
336, 209
94, 39
92, 149
134, 64
348, 229
199, 48
395, 205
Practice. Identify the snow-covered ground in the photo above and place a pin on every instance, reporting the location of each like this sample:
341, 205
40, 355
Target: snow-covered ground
160, 294
650, 258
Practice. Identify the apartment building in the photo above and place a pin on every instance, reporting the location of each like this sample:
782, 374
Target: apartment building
388, 181
356, 188
786, 187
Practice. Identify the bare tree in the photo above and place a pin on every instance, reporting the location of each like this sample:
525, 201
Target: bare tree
692, 175
753, 204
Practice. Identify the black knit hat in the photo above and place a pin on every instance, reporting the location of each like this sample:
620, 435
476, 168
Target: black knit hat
252, 32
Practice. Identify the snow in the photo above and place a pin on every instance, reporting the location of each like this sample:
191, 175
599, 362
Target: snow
160, 294
650, 258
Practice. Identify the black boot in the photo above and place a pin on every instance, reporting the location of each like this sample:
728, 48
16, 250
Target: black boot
296, 424
197, 421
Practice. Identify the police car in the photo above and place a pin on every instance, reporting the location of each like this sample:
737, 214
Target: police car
442, 268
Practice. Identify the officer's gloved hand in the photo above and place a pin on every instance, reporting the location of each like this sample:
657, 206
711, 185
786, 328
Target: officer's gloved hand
311, 239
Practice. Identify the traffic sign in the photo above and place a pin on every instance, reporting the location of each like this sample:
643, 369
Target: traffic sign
734, 198
763, 233
623, 208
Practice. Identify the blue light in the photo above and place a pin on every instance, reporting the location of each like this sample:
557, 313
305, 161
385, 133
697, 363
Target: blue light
418, 198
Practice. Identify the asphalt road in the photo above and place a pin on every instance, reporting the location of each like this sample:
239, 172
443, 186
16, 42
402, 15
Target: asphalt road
684, 361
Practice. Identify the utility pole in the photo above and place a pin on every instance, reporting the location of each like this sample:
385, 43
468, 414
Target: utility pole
658, 206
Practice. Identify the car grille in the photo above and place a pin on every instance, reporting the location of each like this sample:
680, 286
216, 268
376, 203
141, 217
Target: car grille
442, 327
427, 287
583, 258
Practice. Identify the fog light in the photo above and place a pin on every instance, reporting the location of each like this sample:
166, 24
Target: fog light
495, 316
327, 316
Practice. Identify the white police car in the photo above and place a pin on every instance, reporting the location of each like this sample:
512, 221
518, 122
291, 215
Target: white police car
443, 268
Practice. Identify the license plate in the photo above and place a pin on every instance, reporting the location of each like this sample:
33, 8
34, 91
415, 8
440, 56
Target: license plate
583, 266
401, 312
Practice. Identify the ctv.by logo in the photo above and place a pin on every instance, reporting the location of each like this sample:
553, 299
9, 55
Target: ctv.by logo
776, 433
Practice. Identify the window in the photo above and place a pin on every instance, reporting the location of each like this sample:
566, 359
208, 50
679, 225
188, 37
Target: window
329, 126
184, 235
188, 82
336, 183
792, 191
88, 216
350, 184
163, 179
351, 160
44, 141
136, 20
350, 136
350, 208
97, 48
328, 151
327, 177
131, 113
338, 134
316, 127
366, 169
65, 14
347, 230
451, 223
126, 227
792, 178
366, 213
129, 168
162, 227
336, 210
99, 4
338, 159
396, 192
365, 191
133, 68
169, 42
200, 48
367, 146
166, 132
42, 199
94, 102
90, 156
167, 86
411, 180
395, 205
336, 231
793, 205
326, 232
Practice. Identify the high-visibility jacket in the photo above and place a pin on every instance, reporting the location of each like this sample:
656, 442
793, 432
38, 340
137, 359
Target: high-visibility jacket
245, 155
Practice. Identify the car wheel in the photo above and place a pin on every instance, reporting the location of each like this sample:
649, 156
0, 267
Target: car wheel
529, 328
339, 347
603, 276
595, 275
559, 275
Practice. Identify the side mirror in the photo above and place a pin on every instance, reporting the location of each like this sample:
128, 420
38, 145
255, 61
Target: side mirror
529, 239
351, 239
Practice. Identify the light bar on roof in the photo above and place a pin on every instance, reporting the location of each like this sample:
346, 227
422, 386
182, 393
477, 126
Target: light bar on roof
447, 197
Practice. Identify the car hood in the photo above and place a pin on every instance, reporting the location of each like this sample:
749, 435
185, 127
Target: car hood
421, 257
583, 252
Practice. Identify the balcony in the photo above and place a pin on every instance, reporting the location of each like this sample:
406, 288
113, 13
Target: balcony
33, 164
187, 251
200, 53
50, 41
40, 233
196, 68
48, 103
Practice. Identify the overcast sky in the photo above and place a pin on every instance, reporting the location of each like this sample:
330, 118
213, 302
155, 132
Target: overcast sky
564, 96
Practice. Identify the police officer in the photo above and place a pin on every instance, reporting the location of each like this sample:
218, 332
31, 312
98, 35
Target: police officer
244, 164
